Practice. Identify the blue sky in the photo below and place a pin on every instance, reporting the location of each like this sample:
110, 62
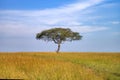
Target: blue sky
98, 21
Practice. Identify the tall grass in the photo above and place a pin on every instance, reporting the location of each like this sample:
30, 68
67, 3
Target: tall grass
62, 66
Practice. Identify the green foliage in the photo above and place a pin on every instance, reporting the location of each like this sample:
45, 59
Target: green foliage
58, 35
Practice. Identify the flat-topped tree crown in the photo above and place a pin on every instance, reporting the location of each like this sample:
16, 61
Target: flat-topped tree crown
58, 35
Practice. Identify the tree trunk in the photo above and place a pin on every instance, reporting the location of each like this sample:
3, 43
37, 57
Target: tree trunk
58, 48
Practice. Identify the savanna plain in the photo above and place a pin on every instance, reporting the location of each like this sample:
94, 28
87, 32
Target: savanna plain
61, 66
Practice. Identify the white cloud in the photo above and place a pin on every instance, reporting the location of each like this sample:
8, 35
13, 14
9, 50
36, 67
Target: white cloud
67, 9
21, 22
22, 30
115, 22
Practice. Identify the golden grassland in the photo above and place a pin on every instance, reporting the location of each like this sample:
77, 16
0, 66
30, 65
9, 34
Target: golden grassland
62, 66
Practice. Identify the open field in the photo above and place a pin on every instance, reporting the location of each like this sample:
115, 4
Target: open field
62, 66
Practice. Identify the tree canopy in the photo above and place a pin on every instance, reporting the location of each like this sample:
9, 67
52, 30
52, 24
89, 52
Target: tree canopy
58, 35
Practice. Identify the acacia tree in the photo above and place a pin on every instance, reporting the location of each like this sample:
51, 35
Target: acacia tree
58, 35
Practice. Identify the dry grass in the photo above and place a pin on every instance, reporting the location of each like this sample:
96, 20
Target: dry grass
63, 66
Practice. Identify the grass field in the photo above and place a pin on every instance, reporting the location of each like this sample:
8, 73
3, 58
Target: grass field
62, 66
